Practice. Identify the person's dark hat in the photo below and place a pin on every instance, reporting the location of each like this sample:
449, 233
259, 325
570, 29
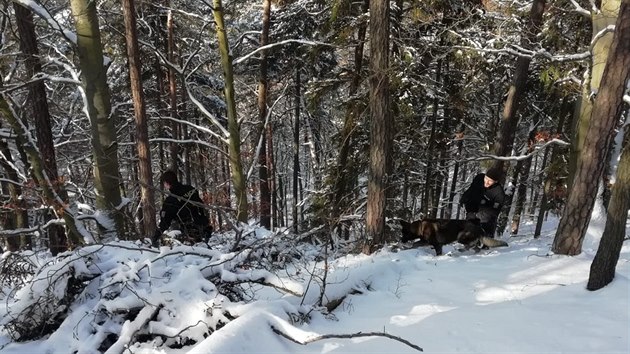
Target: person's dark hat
494, 173
169, 177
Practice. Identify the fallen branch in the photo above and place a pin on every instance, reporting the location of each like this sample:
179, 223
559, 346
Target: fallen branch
353, 335
131, 328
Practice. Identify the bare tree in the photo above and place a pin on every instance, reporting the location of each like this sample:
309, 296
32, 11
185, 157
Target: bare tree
238, 178
296, 153
342, 174
98, 107
381, 130
147, 199
263, 168
39, 172
607, 109
13, 215
509, 120
172, 90
38, 110
605, 261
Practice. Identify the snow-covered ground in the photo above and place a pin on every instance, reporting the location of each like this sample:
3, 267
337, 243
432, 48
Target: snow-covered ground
519, 299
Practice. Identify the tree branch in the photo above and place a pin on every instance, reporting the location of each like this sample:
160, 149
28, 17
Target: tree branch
269, 46
353, 335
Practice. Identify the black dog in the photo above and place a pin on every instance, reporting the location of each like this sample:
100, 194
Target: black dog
439, 232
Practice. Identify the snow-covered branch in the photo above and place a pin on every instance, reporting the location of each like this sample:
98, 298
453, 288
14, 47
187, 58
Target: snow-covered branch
212, 117
272, 45
600, 34
521, 157
40, 77
579, 9
30, 230
540, 53
43, 12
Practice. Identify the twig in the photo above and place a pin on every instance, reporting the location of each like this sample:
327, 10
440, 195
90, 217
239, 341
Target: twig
353, 335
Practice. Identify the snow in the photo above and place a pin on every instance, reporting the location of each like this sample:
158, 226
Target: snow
519, 299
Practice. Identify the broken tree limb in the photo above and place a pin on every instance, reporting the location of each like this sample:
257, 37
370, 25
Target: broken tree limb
352, 335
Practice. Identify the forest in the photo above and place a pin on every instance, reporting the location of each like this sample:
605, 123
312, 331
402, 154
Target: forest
322, 121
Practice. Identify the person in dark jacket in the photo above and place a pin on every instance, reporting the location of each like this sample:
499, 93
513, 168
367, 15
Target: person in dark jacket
184, 207
484, 199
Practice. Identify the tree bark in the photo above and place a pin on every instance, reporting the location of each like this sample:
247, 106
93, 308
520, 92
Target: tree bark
236, 166
603, 267
430, 200
158, 24
604, 16
38, 110
15, 215
147, 199
39, 172
509, 120
263, 168
296, 153
606, 112
343, 170
172, 92
521, 192
381, 130
98, 107
271, 164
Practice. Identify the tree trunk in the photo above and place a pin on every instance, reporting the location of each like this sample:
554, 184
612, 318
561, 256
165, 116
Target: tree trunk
158, 24
282, 201
15, 216
509, 120
236, 166
381, 130
272, 176
142, 131
441, 185
521, 192
41, 178
263, 168
172, 92
19, 214
453, 110
606, 112
343, 168
38, 110
543, 200
605, 261
453, 186
429, 203
296, 152
97, 97
602, 18
565, 111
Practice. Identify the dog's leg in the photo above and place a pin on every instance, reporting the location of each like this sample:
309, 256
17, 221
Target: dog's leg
438, 249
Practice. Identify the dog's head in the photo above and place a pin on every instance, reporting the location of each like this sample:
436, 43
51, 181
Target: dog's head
471, 232
408, 232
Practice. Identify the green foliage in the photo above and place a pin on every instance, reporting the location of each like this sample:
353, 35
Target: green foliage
340, 9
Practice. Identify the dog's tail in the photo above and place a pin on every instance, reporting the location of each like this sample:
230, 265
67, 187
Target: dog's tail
490, 242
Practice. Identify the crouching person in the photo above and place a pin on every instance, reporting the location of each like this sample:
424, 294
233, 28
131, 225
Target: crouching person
484, 200
184, 209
